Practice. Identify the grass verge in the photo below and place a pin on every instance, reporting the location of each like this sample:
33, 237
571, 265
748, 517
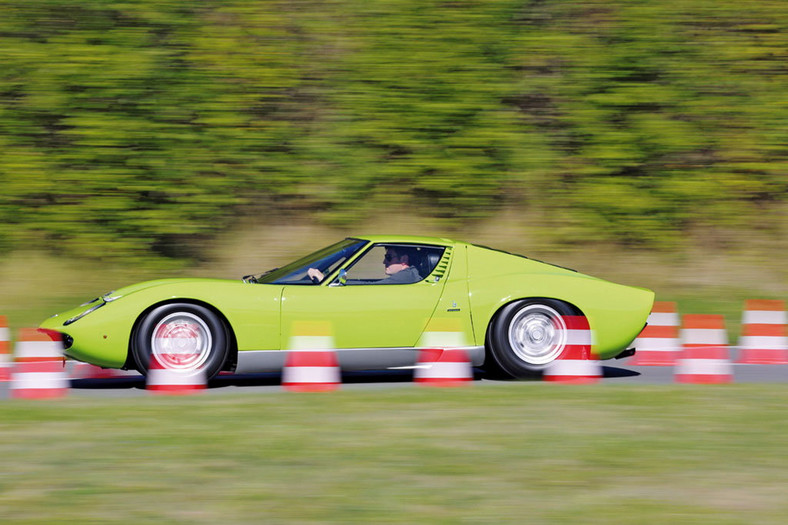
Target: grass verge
508, 453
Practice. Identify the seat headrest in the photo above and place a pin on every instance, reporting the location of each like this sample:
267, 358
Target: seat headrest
428, 263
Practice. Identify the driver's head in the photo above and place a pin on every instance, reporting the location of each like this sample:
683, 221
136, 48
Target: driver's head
397, 259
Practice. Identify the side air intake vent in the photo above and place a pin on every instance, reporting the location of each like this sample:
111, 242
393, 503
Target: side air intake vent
441, 268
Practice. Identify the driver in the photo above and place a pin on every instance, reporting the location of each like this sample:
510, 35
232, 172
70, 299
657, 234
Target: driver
397, 263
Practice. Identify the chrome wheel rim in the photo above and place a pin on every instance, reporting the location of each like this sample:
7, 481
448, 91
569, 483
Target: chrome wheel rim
537, 334
181, 341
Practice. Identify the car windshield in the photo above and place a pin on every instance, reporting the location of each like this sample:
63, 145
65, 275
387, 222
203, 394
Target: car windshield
326, 260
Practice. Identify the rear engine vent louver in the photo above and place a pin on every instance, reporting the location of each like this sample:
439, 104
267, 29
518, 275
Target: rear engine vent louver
442, 267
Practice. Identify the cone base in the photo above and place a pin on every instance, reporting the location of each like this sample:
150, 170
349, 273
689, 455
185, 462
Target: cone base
653, 360
710, 379
763, 360
311, 387
576, 380
450, 383
175, 390
39, 393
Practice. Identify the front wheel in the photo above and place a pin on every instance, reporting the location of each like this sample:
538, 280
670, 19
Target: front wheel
526, 336
181, 336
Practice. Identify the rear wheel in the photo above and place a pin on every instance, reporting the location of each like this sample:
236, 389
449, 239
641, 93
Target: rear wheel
526, 336
181, 336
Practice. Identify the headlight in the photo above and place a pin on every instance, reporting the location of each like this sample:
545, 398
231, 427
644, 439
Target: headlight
108, 297
83, 314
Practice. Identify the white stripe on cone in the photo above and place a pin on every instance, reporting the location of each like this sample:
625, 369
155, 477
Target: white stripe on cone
443, 367
764, 333
704, 336
664, 318
310, 374
6, 359
38, 371
763, 342
764, 317
705, 356
704, 367
311, 371
6, 364
162, 380
576, 364
658, 343
38, 380
578, 337
574, 367
38, 350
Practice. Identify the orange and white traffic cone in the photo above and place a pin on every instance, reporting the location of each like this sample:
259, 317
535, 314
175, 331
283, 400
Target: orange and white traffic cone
659, 344
764, 338
38, 371
705, 357
6, 359
169, 381
311, 364
576, 364
311, 371
443, 367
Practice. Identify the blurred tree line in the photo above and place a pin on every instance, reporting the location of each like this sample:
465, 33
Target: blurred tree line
142, 127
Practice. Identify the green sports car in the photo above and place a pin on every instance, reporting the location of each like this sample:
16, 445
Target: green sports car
376, 300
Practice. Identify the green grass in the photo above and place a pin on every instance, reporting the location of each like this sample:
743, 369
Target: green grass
516, 453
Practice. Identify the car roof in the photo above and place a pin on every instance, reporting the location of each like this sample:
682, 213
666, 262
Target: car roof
416, 239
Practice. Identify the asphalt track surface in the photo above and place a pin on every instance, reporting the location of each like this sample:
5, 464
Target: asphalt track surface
613, 373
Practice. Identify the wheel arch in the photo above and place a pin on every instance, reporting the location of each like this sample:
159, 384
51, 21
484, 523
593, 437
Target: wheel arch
232, 352
488, 357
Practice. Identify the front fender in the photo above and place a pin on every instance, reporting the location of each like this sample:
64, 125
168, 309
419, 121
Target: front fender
102, 337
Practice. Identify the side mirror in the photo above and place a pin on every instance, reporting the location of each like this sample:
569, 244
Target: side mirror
342, 277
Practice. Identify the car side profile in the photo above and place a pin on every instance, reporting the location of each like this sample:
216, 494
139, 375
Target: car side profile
507, 311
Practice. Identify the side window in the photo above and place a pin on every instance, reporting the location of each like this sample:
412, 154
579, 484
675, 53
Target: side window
394, 264
368, 268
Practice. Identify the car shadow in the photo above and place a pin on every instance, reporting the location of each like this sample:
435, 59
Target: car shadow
614, 371
257, 380
115, 383
606, 371
357, 377
228, 380
275, 379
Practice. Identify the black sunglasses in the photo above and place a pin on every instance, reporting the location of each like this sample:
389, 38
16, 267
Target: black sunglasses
389, 257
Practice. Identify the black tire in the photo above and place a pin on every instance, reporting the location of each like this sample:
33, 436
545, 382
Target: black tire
184, 336
526, 336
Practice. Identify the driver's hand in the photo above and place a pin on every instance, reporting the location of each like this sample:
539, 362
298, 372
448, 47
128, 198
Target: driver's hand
315, 274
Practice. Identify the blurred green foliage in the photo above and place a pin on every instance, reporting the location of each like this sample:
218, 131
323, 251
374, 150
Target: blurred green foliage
140, 128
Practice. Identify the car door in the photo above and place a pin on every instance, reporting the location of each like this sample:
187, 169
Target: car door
362, 314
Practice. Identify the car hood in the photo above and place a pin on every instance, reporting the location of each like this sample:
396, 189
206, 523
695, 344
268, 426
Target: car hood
128, 290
